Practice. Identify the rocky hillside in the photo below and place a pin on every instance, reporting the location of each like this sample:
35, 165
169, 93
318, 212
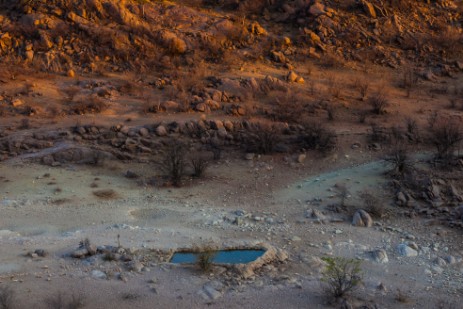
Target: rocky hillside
100, 35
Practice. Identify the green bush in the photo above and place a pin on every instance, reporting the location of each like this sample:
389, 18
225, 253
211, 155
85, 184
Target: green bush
341, 275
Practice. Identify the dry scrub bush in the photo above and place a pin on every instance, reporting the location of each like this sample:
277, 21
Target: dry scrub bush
199, 164
105, 193
372, 204
409, 80
334, 86
341, 276
173, 163
446, 136
61, 301
262, 139
93, 105
205, 258
317, 137
399, 161
378, 103
362, 85
287, 107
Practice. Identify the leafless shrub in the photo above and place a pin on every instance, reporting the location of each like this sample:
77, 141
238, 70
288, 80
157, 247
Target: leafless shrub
412, 129
25, 124
173, 162
316, 136
362, 85
373, 205
432, 118
331, 110
199, 164
378, 103
362, 117
334, 86
7, 298
262, 138
92, 105
446, 136
409, 80
397, 134
287, 107
399, 161
378, 134
61, 301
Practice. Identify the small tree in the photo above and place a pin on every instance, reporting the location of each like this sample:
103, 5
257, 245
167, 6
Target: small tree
174, 162
341, 275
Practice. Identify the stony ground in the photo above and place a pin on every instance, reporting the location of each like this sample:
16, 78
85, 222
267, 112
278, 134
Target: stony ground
281, 204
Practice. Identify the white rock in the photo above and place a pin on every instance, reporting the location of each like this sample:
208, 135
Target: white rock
98, 274
405, 250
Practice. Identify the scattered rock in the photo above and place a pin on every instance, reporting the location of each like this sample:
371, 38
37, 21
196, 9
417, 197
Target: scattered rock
161, 130
131, 175
362, 218
135, 266
144, 132
98, 274
404, 250
80, 253
249, 156
212, 290
379, 256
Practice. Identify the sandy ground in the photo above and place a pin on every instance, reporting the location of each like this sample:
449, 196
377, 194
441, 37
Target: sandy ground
54, 209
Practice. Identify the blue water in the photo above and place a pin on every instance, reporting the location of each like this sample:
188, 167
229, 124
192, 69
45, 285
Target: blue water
221, 257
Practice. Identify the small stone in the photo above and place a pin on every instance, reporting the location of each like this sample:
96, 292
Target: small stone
380, 256
79, 253
144, 132
405, 250
71, 73
98, 274
249, 156
41, 252
161, 131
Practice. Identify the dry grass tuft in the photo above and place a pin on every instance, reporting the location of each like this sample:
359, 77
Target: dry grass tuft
105, 193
